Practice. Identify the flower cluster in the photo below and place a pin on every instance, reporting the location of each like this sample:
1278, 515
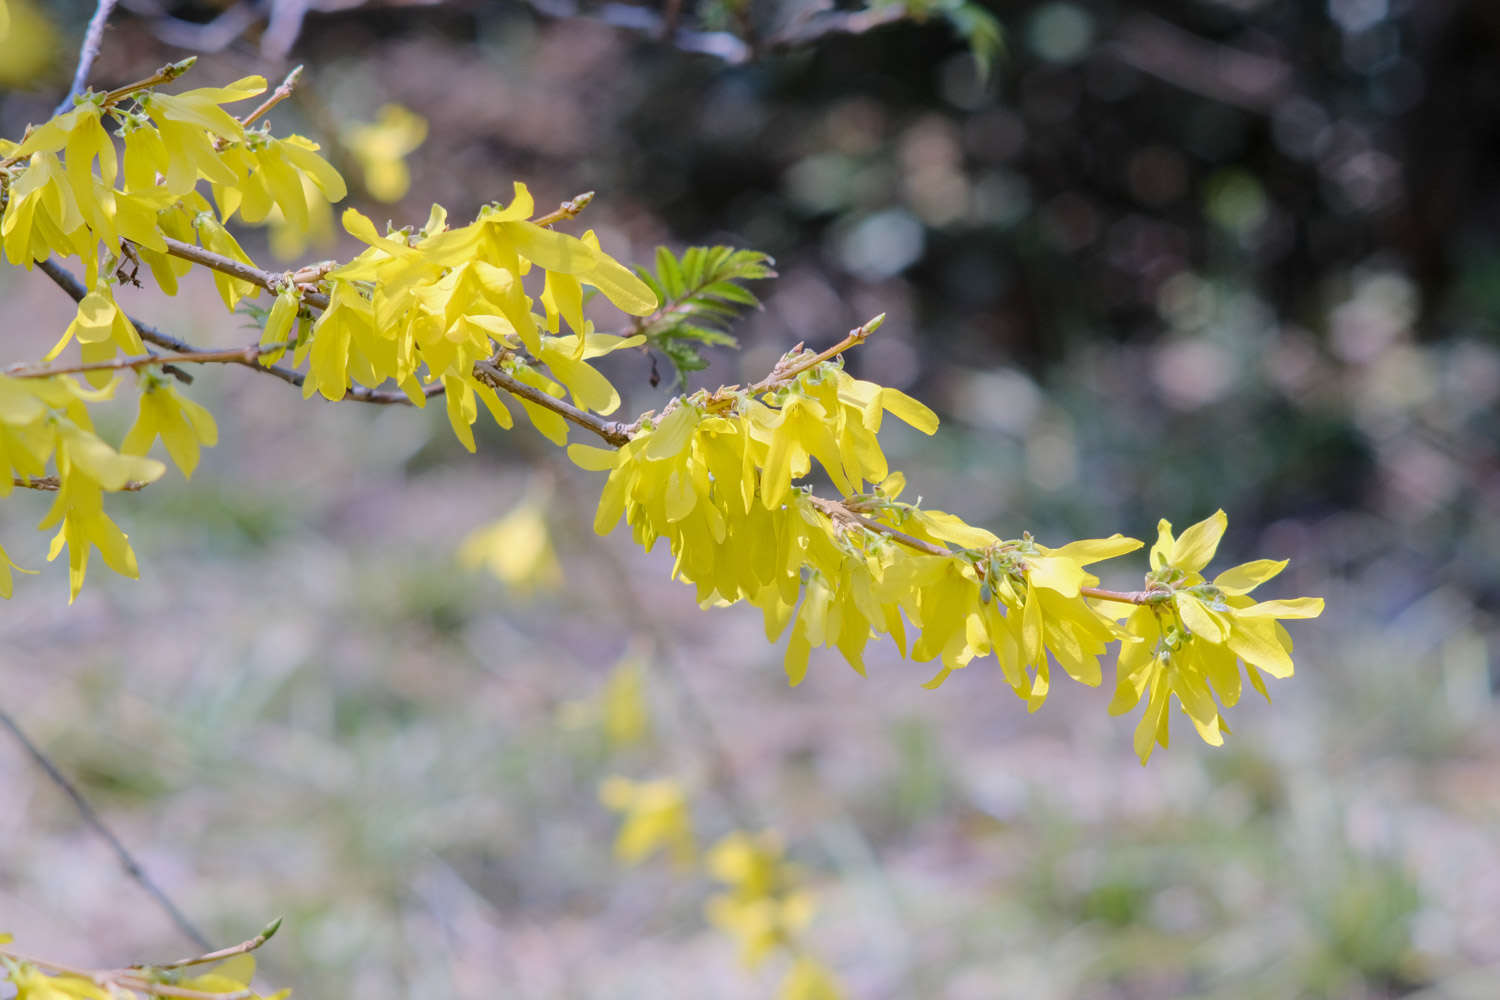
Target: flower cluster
45, 422
1191, 644
429, 306
716, 475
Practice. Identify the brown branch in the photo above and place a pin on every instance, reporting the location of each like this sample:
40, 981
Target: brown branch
95, 822
51, 484
569, 209
278, 95
165, 74
271, 281
238, 355
840, 513
214, 956
612, 431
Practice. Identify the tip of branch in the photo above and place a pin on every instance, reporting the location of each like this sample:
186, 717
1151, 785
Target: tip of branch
872, 325
579, 203
274, 925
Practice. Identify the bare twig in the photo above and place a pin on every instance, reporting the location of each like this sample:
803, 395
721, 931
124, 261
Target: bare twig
278, 95
235, 355
165, 74
87, 53
569, 209
1230, 76
214, 956
727, 46
96, 823
784, 374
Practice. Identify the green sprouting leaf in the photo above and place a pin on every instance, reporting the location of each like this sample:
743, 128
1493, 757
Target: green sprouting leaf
701, 295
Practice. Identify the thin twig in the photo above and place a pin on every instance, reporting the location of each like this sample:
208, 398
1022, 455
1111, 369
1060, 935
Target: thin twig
87, 53
278, 95
271, 281
165, 74
783, 375
569, 209
51, 484
238, 949
96, 823
726, 45
236, 355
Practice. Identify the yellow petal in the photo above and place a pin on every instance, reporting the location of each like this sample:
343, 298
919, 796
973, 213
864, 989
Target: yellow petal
1197, 544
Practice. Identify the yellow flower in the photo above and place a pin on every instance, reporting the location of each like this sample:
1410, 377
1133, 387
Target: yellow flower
181, 424
30, 43
381, 149
809, 979
516, 549
1191, 644
656, 818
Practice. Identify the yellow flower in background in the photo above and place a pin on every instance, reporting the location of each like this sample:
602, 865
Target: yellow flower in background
30, 45
381, 148
517, 549
619, 710
809, 979
763, 907
656, 818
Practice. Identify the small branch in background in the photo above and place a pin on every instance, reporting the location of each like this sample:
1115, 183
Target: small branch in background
727, 46
212, 36
1220, 73
87, 53
96, 823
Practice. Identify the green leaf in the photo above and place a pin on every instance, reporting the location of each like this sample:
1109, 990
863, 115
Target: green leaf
701, 295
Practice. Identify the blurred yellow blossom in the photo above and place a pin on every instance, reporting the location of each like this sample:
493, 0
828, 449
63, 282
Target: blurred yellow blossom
762, 907
809, 979
517, 549
656, 818
380, 148
30, 44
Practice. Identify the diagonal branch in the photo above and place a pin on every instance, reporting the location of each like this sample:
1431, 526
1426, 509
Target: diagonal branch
93, 37
612, 431
96, 823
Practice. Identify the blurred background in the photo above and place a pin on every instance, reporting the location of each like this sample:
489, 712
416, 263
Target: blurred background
1164, 257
